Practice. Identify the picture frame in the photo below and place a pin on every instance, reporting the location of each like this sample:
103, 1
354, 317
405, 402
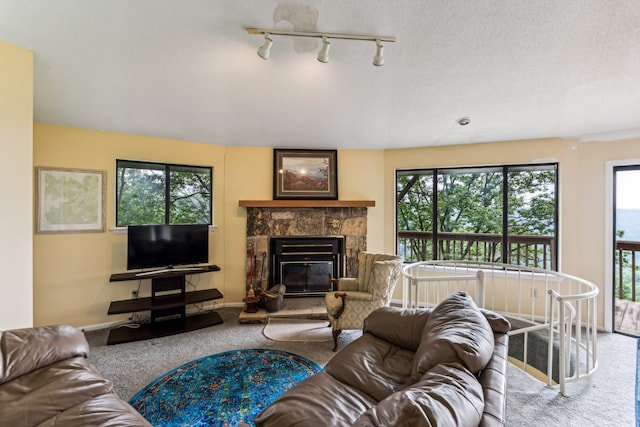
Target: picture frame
300, 174
70, 200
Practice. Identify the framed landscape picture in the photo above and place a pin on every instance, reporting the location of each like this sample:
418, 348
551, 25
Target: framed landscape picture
305, 174
70, 200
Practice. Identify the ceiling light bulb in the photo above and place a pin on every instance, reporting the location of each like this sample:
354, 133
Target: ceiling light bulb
379, 58
323, 56
265, 49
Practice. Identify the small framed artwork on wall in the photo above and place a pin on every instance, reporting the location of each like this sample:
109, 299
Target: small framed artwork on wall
70, 200
300, 174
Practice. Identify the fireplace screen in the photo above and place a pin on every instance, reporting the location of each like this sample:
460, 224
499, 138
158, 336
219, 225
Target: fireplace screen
306, 276
305, 265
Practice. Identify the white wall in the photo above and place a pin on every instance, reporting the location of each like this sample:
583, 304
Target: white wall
16, 186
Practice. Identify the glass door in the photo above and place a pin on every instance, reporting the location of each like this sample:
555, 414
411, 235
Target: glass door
626, 227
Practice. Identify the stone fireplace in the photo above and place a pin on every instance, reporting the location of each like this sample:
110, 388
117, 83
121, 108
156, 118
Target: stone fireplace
328, 219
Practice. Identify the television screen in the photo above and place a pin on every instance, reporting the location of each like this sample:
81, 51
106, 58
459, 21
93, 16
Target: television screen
166, 245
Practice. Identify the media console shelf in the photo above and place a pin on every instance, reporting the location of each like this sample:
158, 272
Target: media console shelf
167, 304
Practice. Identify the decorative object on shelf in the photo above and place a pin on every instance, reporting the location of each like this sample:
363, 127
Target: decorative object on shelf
70, 200
265, 50
305, 174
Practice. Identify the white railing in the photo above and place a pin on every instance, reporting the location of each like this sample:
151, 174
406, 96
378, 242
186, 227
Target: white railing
567, 316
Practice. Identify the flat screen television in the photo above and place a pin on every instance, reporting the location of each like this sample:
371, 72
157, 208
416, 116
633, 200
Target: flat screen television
167, 245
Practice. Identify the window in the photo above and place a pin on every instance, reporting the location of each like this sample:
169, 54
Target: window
505, 214
158, 193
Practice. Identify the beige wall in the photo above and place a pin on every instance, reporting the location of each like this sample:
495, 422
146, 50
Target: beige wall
582, 192
16, 182
71, 282
72, 270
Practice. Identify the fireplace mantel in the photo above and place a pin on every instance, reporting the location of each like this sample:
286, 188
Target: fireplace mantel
306, 203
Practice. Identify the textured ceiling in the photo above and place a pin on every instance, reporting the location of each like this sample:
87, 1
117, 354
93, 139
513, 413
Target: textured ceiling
520, 69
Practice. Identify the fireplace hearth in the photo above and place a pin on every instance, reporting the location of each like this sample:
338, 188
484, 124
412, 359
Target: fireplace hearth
305, 265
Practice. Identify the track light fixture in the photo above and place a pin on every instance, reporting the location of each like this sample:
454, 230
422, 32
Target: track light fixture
265, 49
323, 55
378, 59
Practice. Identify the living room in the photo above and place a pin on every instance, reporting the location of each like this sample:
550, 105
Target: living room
64, 278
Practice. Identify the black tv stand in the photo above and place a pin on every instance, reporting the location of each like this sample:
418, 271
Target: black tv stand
167, 304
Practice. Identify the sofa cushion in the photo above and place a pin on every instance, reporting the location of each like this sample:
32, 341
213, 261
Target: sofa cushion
42, 394
25, 350
105, 410
447, 395
407, 326
498, 322
372, 365
456, 332
319, 400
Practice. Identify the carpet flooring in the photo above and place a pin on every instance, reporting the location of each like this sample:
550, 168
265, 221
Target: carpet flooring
297, 330
224, 389
608, 398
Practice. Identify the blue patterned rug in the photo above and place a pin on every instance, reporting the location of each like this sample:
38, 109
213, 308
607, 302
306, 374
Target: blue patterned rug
224, 389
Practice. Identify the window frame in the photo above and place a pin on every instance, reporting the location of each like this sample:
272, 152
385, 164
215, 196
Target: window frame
166, 168
434, 174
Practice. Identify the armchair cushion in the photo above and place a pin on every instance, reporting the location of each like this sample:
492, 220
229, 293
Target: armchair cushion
347, 284
366, 263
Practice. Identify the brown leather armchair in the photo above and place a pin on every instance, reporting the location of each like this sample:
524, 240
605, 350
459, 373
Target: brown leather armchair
355, 298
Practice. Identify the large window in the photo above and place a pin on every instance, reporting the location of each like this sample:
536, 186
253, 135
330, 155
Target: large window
158, 193
505, 214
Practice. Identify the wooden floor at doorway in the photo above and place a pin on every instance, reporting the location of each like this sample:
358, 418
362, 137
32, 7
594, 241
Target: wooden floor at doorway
627, 318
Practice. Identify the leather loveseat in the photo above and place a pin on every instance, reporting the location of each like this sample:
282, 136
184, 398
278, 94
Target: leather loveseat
444, 366
47, 380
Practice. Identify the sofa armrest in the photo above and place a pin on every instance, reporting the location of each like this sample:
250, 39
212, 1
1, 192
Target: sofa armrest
402, 328
493, 379
25, 350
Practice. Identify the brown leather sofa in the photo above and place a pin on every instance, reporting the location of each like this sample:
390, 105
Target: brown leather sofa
47, 380
435, 367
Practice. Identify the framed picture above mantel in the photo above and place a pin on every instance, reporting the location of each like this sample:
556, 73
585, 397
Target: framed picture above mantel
300, 174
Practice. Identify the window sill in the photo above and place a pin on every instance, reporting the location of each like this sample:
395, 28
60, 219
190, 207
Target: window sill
123, 230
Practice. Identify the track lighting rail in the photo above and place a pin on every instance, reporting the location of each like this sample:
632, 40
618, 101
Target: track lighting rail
321, 35
265, 50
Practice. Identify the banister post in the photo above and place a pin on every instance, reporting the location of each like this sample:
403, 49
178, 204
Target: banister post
480, 288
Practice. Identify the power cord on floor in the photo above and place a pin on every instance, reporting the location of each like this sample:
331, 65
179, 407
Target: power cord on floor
135, 321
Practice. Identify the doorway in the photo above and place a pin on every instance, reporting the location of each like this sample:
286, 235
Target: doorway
626, 246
